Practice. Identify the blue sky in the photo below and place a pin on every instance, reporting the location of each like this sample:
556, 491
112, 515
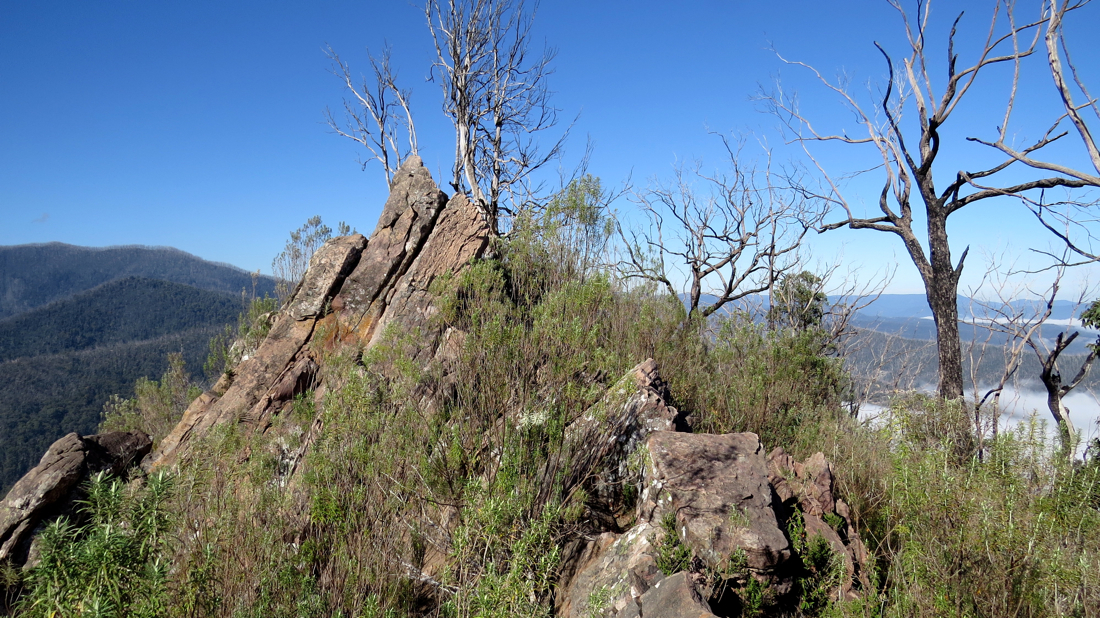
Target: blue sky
199, 125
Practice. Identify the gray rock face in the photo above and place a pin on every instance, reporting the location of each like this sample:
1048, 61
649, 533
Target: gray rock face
602, 445
48, 490
281, 367
728, 503
717, 489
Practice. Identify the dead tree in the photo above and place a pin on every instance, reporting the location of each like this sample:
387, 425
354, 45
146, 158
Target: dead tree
1067, 220
376, 115
915, 190
734, 237
495, 93
1023, 325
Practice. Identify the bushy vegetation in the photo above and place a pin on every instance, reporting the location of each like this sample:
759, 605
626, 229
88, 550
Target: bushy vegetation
156, 407
407, 490
115, 564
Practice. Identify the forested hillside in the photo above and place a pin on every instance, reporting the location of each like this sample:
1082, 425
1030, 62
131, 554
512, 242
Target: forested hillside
61, 362
34, 275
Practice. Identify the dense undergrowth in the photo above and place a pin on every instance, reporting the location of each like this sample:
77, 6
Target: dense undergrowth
420, 492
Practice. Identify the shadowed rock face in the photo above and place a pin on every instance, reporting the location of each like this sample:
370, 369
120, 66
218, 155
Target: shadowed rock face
353, 289
49, 490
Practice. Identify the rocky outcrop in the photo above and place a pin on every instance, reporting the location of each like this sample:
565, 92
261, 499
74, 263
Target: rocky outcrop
49, 490
719, 500
601, 446
282, 366
353, 289
716, 488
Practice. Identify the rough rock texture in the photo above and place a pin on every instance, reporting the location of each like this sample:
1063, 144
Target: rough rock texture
808, 486
674, 596
601, 445
48, 490
281, 367
729, 504
353, 289
717, 489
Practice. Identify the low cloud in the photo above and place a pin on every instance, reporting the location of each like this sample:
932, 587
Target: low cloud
44, 218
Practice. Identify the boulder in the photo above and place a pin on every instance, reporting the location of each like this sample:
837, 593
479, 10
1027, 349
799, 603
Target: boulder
673, 597
716, 487
49, 490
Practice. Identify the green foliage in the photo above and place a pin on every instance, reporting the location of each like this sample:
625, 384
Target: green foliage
115, 565
797, 302
1091, 315
291, 264
45, 397
156, 407
230, 346
672, 555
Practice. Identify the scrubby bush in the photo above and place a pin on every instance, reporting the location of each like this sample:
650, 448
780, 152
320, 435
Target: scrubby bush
156, 407
114, 565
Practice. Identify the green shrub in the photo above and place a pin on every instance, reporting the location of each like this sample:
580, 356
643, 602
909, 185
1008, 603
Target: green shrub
156, 406
116, 564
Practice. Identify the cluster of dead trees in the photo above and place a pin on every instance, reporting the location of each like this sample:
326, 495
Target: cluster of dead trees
717, 237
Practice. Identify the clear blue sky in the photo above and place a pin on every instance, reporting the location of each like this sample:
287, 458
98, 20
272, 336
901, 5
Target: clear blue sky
199, 125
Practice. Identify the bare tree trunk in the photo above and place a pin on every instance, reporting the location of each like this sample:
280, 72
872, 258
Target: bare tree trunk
942, 290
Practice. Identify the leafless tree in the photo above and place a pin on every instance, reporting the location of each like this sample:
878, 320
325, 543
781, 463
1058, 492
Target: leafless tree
376, 115
734, 237
495, 93
909, 150
1071, 221
1023, 324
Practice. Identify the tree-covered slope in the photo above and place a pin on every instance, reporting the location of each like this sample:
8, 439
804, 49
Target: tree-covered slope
45, 397
119, 311
34, 275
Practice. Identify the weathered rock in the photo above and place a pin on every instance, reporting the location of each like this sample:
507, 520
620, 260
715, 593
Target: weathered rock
615, 570
811, 482
407, 219
717, 488
674, 597
48, 490
809, 486
602, 444
280, 368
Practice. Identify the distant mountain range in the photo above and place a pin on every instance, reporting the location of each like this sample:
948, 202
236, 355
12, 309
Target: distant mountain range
34, 275
80, 324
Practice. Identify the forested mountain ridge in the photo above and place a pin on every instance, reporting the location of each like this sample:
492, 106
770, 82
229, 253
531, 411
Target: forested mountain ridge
59, 363
123, 310
35, 275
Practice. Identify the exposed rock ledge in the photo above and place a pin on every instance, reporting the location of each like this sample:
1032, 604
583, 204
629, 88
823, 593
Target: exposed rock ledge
48, 491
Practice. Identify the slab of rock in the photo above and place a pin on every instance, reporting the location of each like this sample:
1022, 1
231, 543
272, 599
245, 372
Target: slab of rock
716, 487
48, 490
615, 570
674, 597
407, 220
603, 444
281, 367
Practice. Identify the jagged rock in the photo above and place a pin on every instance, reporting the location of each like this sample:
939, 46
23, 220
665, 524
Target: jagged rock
717, 488
616, 569
353, 288
601, 445
414, 203
810, 482
48, 490
274, 374
809, 486
673, 597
